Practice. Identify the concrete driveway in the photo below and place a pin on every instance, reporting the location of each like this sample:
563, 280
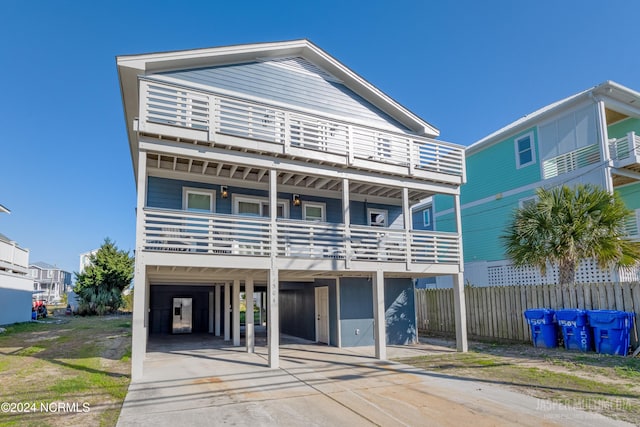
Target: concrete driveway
203, 381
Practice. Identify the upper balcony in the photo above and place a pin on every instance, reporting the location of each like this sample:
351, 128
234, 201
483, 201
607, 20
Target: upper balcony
625, 153
13, 257
185, 114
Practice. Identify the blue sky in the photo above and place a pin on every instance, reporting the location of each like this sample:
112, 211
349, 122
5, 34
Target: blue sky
467, 67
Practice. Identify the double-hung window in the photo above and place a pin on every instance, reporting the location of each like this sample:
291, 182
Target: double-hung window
198, 200
258, 206
525, 151
426, 218
314, 211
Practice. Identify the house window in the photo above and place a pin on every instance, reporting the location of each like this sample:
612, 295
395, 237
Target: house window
198, 200
313, 211
376, 217
426, 218
525, 151
258, 206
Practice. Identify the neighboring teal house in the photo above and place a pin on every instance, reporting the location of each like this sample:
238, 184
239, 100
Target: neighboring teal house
590, 137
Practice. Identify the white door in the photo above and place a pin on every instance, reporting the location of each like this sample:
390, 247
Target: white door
322, 314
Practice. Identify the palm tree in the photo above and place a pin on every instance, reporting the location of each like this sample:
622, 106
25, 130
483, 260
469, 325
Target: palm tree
566, 225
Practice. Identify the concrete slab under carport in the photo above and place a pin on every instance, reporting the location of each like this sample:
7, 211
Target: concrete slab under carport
200, 380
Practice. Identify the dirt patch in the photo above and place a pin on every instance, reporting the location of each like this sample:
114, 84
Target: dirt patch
71, 371
594, 382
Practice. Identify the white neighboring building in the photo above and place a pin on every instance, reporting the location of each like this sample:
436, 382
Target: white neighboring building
16, 286
85, 260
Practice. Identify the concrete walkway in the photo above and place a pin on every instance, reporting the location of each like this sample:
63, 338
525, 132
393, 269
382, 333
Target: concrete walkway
201, 381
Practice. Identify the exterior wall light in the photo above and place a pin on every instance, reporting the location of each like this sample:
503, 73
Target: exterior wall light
224, 191
296, 200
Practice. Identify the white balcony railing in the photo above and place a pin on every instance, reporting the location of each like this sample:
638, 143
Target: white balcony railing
218, 234
11, 255
626, 150
204, 115
567, 162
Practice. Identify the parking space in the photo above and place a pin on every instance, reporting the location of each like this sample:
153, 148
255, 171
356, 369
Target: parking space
200, 380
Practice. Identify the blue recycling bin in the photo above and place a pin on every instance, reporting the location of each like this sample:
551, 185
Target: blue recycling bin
576, 333
611, 330
543, 327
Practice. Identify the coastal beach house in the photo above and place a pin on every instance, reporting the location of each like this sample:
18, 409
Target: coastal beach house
49, 281
16, 286
273, 168
590, 137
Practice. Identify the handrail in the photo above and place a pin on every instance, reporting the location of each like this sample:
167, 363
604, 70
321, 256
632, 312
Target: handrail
167, 230
12, 254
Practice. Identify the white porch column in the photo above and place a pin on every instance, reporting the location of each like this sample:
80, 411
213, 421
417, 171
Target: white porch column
460, 310
236, 312
605, 154
211, 310
227, 312
273, 316
273, 320
379, 318
406, 216
140, 317
217, 310
248, 318
460, 313
346, 219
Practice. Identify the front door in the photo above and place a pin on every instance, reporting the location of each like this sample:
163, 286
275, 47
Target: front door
322, 314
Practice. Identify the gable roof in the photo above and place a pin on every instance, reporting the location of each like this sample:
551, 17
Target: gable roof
198, 58
610, 91
131, 66
43, 266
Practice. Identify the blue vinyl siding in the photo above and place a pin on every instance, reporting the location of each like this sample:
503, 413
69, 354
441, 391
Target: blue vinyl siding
272, 82
166, 193
417, 218
356, 312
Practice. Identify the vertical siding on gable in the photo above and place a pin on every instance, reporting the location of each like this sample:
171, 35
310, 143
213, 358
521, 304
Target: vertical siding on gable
281, 84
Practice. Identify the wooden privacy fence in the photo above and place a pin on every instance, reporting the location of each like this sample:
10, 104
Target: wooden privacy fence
497, 311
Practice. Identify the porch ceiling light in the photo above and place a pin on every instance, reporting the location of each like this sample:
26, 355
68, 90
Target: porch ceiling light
224, 191
296, 200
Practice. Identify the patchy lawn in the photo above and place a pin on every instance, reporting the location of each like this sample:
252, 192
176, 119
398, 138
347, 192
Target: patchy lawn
593, 382
65, 371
